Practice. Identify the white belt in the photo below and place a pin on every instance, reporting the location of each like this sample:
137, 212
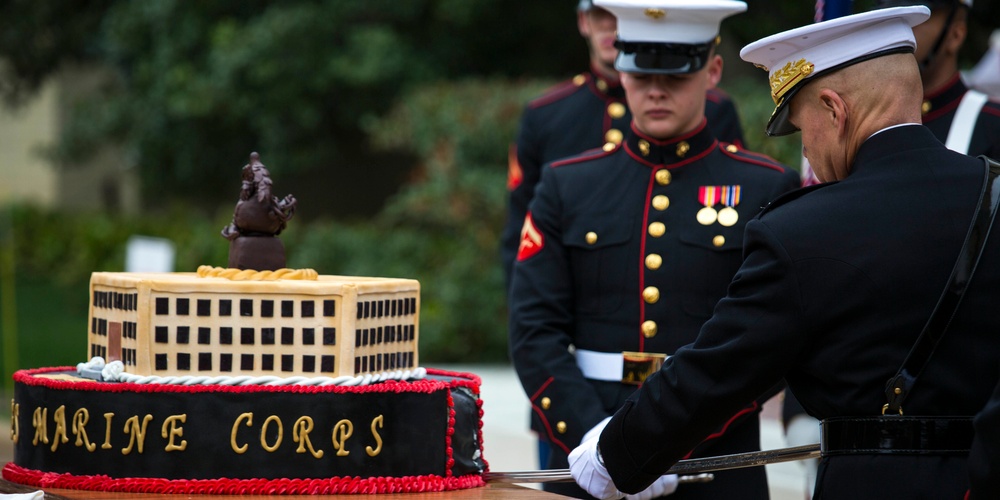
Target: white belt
625, 367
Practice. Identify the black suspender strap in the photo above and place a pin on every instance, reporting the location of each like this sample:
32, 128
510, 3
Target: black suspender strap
899, 387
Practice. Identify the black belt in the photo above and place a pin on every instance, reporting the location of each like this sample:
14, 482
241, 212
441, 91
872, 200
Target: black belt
897, 435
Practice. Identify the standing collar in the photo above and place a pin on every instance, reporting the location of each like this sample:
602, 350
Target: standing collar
681, 149
943, 97
603, 85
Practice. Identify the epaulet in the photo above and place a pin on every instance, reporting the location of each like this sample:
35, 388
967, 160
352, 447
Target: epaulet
791, 196
590, 154
559, 91
992, 105
716, 95
746, 156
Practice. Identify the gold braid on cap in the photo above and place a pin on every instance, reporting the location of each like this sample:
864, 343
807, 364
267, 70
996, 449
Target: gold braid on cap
787, 77
251, 275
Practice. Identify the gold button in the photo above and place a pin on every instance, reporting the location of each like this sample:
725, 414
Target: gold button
651, 294
613, 135
609, 147
616, 110
644, 147
579, 80
591, 237
602, 85
546, 403
663, 177
561, 427
654, 261
719, 240
683, 148
661, 202
925, 107
657, 229
649, 329
732, 148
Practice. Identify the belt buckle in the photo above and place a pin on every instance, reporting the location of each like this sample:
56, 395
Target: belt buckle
636, 366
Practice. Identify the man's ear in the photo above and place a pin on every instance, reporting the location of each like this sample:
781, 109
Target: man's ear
956, 37
714, 71
582, 24
835, 108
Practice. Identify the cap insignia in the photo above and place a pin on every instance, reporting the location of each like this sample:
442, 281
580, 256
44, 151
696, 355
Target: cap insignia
654, 13
787, 77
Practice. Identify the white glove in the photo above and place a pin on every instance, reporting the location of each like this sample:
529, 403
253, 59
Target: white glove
595, 432
590, 473
665, 485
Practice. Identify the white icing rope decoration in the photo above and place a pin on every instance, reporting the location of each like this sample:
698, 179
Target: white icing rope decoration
118, 375
95, 363
252, 275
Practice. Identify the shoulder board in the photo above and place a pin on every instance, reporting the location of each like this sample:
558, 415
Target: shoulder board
791, 196
746, 156
716, 95
992, 106
559, 91
590, 154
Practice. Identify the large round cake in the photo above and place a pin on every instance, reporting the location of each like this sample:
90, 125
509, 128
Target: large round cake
240, 382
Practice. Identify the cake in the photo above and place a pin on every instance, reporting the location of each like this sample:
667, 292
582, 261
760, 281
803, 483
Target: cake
239, 381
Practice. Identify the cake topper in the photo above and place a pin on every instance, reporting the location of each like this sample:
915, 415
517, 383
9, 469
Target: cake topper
258, 219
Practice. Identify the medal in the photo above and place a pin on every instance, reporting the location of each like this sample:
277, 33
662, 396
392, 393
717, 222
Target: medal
727, 216
706, 216
730, 198
708, 196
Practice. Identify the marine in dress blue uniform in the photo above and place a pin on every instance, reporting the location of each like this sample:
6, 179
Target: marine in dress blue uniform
837, 283
938, 42
574, 116
624, 253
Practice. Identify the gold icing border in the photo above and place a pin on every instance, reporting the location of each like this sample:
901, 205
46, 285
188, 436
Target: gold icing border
253, 275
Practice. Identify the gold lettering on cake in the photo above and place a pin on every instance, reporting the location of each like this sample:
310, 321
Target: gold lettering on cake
300, 434
80, 419
263, 434
59, 436
232, 436
378, 439
38, 420
341, 432
136, 432
15, 411
107, 431
171, 430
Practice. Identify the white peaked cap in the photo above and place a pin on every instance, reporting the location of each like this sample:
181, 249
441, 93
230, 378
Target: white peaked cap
667, 36
792, 58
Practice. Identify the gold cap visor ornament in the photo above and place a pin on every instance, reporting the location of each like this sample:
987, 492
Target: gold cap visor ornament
793, 58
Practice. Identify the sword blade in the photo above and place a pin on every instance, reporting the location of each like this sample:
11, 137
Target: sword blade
683, 467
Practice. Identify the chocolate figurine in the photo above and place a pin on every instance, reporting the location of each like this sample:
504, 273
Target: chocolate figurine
257, 220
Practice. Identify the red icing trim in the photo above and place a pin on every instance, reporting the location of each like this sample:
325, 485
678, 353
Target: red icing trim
425, 386
324, 486
749, 409
327, 486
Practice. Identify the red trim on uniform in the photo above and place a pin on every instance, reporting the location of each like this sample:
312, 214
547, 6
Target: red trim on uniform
590, 154
940, 90
764, 161
642, 256
557, 92
545, 421
674, 165
515, 174
716, 95
991, 110
749, 409
937, 113
967, 493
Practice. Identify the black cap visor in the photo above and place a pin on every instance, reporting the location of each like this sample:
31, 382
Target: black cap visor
661, 58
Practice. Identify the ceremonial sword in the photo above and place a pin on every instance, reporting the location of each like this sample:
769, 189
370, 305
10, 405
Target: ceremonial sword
691, 470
